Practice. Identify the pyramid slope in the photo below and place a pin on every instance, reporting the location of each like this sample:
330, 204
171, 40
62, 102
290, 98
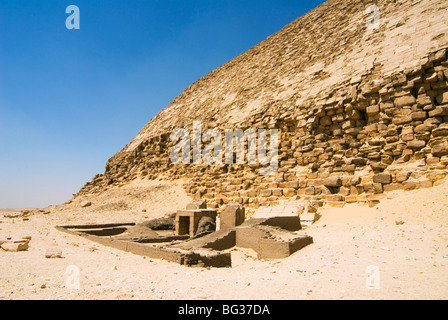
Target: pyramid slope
365, 107
306, 60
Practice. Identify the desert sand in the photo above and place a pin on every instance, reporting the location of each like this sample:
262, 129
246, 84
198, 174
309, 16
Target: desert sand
404, 238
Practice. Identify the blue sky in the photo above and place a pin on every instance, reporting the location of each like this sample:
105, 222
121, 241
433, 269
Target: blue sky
71, 99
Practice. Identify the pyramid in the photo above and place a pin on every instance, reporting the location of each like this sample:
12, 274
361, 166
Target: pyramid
358, 91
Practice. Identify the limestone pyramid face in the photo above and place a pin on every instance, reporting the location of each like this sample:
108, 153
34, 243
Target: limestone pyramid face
358, 91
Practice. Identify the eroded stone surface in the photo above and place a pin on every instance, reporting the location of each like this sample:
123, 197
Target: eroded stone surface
352, 104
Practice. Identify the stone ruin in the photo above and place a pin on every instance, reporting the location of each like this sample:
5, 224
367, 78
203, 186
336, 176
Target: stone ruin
192, 237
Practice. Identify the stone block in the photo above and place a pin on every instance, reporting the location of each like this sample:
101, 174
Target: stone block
440, 132
372, 110
440, 150
442, 98
289, 192
392, 187
334, 197
359, 161
423, 100
292, 184
368, 187
383, 178
351, 199
416, 144
402, 176
425, 127
419, 115
265, 193
432, 161
409, 185
436, 175
270, 243
334, 181
402, 120
53, 253
290, 177
439, 111
15, 246
86, 204
310, 191
232, 215
404, 101
325, 121
355, 190
345, 191
424, 183
348, 124
314, 182
377, 187
407, 137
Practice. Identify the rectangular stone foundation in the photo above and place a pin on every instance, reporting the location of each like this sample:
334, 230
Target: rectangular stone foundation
200, 257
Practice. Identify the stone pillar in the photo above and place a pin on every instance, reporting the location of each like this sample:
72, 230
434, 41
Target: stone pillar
232, 215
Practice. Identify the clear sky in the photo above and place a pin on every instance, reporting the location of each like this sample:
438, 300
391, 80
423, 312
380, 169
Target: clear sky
71, 99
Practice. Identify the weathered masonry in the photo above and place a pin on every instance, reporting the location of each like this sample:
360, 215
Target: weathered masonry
360, 112
272, 237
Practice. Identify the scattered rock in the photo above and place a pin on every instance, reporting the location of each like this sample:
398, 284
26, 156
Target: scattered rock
86, 204
196, 205
12, 215
15, 246
53, 253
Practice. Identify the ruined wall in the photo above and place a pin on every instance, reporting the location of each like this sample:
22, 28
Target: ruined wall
377, 138
367, 116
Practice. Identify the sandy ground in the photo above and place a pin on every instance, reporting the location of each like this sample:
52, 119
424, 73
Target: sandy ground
404, 238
